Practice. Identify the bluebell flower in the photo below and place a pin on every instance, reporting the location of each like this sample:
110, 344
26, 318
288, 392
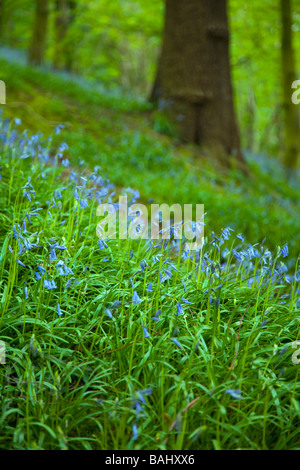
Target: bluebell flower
59, 310
32, 213
138, 408
134, 432
102, 244
146, 334
37, 276
68, 283
237, 255
24, 226
185, 255
236, 394
145, 392
49, 284
135, 298
285, 250
156, 316
180, 310
28, 194
41, 270
67, 270
58, 129
20, 263
168, 275
226, 233
60, 266
175, 341
149, 288
108, 312
57, 194
21, 249
52, 256
83, 203
15, 232
186, 301
26, 292
143, 266
63, 147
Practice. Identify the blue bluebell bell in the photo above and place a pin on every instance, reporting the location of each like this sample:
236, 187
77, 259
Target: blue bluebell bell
146, 334
59, 310
157, 315
108, 312
285, 250
135, 298
236, 394
175, 341
20, 263
180, 310
149, 288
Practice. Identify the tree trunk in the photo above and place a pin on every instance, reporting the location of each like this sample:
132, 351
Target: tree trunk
290, 112
39, 34
194, 78
63, 52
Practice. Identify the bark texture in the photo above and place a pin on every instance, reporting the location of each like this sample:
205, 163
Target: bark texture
39, 33
193, 81
290, 111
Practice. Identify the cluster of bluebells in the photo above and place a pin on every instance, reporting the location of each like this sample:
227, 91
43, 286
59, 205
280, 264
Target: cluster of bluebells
81, 188
257, 261
138, 403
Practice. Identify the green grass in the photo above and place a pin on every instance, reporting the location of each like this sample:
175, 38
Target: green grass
120, 134
82, 375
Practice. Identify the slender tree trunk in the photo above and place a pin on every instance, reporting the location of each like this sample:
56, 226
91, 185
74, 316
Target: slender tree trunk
63, 52
194, 77
290, 111
39, 34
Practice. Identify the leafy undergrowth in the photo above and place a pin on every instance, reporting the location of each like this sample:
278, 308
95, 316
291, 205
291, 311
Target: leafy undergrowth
112, 131
124, 344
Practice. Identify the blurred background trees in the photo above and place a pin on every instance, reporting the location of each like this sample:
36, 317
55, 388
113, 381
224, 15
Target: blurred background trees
290, 114
118, 44
39, 32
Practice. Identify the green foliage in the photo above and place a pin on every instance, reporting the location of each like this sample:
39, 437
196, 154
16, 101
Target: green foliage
85, 364
80, 356
112, 131
117, 44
